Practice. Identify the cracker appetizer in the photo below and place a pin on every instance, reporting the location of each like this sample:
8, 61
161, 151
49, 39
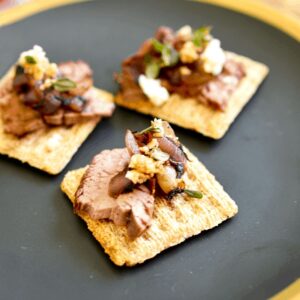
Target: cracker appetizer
48, 110
186, 78
142, 199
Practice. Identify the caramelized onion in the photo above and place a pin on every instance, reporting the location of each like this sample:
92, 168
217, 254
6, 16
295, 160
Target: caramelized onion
168, 129
51, 104
77, 104
21, 83
131, 143
169, 146
31, 98
167, 179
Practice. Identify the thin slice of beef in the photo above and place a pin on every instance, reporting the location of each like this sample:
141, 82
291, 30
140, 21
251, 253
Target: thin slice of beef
92, 195
78, 71
234, 68
19, 119
95, 108
27, 112
56, 119
218, 91
96, 105
206, 88
165, 34
72, 118
133, 209
119, 184
141, 214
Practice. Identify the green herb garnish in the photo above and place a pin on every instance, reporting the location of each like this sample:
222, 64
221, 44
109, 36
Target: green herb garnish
169, 55
157, 45
199, 35
64, 85
193, 194
150, 129
152, 69
30, 60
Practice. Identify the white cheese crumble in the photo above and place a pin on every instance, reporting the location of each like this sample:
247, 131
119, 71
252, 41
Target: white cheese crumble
41, 65
185, 33
213, 57
152, 88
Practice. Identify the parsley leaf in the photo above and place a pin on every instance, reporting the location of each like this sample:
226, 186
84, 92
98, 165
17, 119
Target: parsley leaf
152, 69
64, 85
150, 129
193, 194
200, 34
30, 60
169, 56
157, 45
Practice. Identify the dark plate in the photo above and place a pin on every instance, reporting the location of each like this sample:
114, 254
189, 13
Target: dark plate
47, 253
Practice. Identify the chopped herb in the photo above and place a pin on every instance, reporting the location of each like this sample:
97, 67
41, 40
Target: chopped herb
169, 56
200, 34
64, 85
148, 58
193, 194
152, 69
30, 60
158, 46
150, 129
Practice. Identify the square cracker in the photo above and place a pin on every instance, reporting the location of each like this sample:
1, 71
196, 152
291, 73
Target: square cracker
172, 223
191, 114
47, 149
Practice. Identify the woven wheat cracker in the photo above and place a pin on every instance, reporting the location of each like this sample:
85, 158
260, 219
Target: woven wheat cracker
47, 149
173, 221
191, 114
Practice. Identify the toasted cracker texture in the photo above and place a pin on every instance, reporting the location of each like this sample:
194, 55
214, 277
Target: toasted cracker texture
47, 149
173, 221
191, 114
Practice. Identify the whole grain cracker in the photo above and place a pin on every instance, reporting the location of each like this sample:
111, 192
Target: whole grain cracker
191, 114
47, 149
173, 221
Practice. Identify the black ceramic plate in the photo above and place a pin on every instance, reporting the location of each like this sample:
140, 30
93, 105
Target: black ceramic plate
47, 253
